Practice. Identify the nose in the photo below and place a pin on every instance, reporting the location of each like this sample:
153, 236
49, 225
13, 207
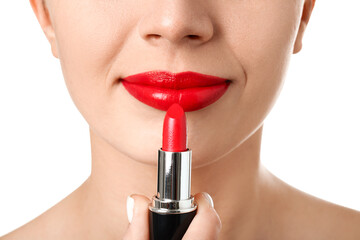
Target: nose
175, 22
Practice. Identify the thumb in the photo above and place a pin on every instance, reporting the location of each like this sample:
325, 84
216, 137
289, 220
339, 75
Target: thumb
138, 216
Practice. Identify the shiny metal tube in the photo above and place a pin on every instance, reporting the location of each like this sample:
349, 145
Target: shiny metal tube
174, 183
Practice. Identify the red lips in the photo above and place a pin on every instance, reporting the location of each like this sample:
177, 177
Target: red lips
160, 89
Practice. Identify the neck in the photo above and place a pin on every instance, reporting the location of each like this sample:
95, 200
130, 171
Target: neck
232, 181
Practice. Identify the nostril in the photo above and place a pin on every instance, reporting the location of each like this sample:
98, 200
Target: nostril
154, 36
194, 36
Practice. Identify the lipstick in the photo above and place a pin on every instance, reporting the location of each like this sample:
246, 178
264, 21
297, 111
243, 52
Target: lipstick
173, 207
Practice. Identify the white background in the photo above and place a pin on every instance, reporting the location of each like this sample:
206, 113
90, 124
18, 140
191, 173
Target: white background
311, 138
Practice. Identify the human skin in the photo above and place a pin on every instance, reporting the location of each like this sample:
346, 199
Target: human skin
99, 42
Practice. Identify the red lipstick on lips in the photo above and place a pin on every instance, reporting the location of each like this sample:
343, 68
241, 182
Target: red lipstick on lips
160, 89
173, 208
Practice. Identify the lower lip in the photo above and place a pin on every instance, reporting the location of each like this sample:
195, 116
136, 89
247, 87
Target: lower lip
190, 99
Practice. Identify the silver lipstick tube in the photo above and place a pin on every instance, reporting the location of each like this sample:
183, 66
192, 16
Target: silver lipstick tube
173, 184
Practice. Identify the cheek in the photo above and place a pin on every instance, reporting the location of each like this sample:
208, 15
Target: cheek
89, 36
262, 37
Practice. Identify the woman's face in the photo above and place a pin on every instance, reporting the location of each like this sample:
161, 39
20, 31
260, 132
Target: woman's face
100, 42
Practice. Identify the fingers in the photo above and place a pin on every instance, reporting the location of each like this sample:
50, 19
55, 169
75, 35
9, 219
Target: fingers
138, 215
206, 225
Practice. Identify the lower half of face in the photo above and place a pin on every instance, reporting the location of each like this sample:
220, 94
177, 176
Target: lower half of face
101, 42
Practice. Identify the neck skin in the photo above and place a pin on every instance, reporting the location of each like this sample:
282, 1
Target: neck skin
235, 182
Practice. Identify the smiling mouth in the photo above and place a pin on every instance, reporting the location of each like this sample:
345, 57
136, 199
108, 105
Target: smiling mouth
160, 89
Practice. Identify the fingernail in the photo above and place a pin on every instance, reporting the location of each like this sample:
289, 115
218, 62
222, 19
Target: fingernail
208, 198
130, 208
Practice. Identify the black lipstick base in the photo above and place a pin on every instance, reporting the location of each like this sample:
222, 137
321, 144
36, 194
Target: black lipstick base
169, 226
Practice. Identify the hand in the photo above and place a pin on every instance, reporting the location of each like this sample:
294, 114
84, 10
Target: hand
206, 224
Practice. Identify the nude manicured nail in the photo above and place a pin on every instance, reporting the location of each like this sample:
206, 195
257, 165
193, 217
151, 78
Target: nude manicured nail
208, 198
130, 208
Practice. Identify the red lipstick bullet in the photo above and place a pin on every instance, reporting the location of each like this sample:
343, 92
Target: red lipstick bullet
173, 207
174, 132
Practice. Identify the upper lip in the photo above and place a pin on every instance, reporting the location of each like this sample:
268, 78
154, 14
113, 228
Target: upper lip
181, 80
